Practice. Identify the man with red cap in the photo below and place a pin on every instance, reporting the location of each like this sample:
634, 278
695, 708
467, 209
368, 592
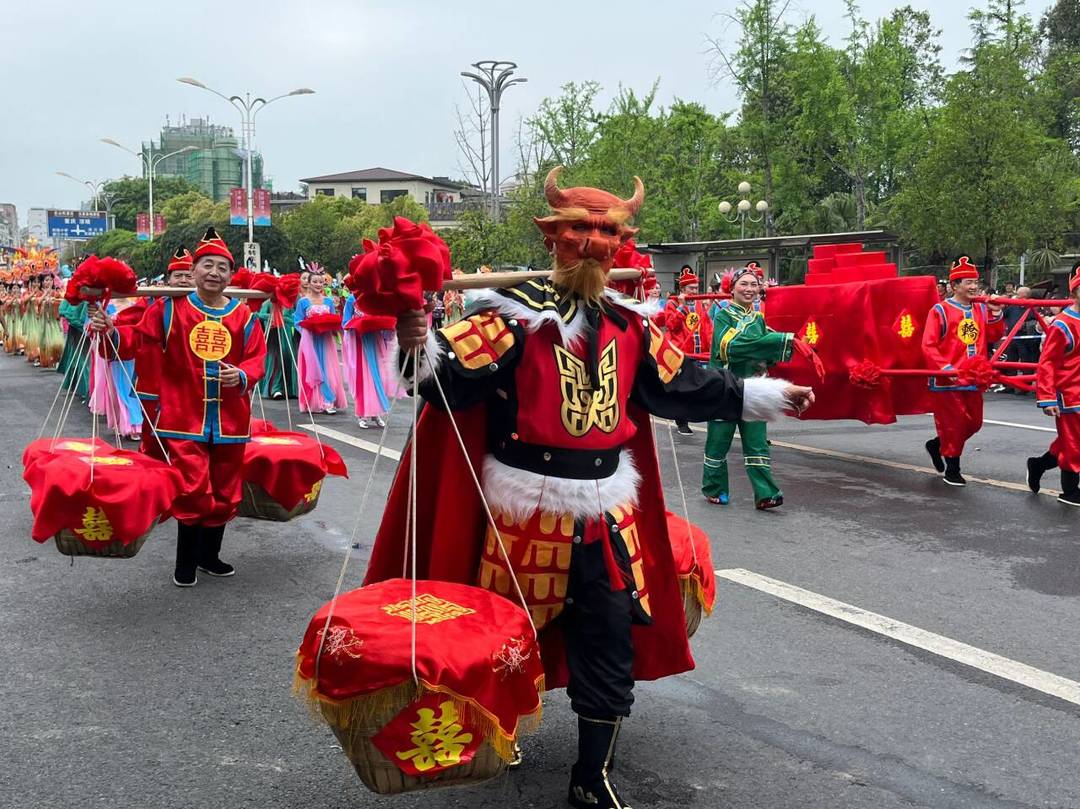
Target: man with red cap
214, 350
688, 324
1057, 388
957, 330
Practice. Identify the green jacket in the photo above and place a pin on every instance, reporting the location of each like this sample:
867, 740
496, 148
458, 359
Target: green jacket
264, 316
742, 342
74, 314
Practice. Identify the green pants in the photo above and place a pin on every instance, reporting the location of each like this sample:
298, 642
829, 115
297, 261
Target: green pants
755, 447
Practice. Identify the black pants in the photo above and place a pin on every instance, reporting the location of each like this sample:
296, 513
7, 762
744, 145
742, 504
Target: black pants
596, 625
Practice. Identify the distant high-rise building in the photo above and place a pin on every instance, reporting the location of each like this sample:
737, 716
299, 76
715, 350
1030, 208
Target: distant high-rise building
9, 225
216, 165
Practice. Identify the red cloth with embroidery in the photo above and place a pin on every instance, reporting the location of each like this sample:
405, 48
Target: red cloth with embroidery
451, 526
129, 489
478, 647
42, 446
853, 323
288, 465
685, 544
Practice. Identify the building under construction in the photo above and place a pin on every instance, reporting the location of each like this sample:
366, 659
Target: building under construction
216, 165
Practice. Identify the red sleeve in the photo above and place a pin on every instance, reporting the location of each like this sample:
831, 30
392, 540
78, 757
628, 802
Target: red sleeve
1053, 353
931, 339
129, 339
672, 319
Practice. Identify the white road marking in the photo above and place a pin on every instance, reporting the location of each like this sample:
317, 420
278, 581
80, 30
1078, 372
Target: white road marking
1003, 667
1021, 426
355, 442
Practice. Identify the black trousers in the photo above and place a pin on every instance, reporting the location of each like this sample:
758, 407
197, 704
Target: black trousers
596, 625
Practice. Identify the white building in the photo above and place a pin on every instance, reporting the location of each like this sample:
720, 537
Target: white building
377, 186
9, 225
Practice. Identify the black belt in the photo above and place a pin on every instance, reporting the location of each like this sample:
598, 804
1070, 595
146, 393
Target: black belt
577, 464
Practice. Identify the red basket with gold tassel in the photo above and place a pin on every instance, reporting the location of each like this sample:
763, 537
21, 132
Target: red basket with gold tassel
95, 500
693, 562
283, 473
451, 717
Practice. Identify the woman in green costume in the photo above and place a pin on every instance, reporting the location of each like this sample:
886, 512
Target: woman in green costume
279, 379
743, 344
75, 362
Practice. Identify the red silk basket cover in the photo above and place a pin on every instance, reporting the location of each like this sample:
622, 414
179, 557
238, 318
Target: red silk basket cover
880, 321
288, 466
471, 644
325, 323
683, 551
35, 449
365, 324
128, 492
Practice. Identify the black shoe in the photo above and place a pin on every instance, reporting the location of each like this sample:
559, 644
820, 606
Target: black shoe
209, 550
952, 473
769, 502
187, 554
683, 428
590, 786
1070, 488
933, 448
1036, 467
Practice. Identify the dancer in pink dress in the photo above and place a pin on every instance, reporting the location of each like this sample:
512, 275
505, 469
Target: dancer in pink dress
319, 369
367, 346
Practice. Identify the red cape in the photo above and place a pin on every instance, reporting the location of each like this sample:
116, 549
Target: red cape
451, 524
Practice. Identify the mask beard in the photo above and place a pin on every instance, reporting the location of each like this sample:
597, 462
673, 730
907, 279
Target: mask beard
586, 279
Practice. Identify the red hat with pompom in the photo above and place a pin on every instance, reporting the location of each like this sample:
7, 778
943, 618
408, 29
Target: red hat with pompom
963, 269
213, 245
181, 260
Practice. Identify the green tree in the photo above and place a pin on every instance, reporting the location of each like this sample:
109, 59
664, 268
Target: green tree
568, 123
130, 196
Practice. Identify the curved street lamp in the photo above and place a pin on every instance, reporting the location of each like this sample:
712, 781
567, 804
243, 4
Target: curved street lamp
149, 166
97, 189
248, 108
494, 76
742, 209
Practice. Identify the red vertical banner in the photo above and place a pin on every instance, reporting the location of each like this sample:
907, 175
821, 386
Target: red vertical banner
260, 200
159, 224
142, 227
237, 206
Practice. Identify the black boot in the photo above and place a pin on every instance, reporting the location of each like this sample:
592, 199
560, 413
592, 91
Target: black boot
1036, 467
683, 427
1070, 488
933, 448
952, 472
590, 787
209, 550
187, 554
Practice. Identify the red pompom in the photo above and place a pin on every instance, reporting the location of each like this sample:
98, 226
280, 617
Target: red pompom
242, 279
628, 258
866, 374
97, 278
392, 276
326, 323
976, 371
115, 276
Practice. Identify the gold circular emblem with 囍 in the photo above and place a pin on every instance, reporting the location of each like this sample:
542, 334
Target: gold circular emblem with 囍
210, 341
693, 320
108, 460
275, 441
968, 331
76, 446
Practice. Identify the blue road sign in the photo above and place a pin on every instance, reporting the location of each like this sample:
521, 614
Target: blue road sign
76, 224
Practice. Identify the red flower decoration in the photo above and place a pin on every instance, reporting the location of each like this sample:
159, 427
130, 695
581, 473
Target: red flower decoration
627, 257
976, 371
392, 276
867, 375
284, 289
99, 278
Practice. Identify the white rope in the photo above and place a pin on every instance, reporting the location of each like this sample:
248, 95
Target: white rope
483, 500
275, 309
94, 341
81, 362
59, 390
300, 397
682, 493
416, 352
351, 542
142, 407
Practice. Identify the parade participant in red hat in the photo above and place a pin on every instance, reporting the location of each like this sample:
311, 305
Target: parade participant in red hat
1057, 386
957, 331
552, 384
688, 324
214, 350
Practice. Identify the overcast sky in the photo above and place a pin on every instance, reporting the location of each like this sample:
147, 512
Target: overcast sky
385, 74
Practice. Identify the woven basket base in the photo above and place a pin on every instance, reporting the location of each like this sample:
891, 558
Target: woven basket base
258, 505
71, 544
383, 778
691, 605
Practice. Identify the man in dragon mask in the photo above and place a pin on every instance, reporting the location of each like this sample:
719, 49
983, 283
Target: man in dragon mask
552, 383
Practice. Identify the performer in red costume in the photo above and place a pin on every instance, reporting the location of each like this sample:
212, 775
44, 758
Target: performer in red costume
552, 384
213, 349
148, 358
688, 324
957, 330
1057, 385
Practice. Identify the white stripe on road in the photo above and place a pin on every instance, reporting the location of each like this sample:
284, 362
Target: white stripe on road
1003, 667
1021, 426
355, 442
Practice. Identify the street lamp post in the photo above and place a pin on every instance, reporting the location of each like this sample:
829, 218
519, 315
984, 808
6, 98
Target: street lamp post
494, 76
248, 108
97, 188
742, 209
150, 165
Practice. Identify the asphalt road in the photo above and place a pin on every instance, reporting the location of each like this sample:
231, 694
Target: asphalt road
119, 690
